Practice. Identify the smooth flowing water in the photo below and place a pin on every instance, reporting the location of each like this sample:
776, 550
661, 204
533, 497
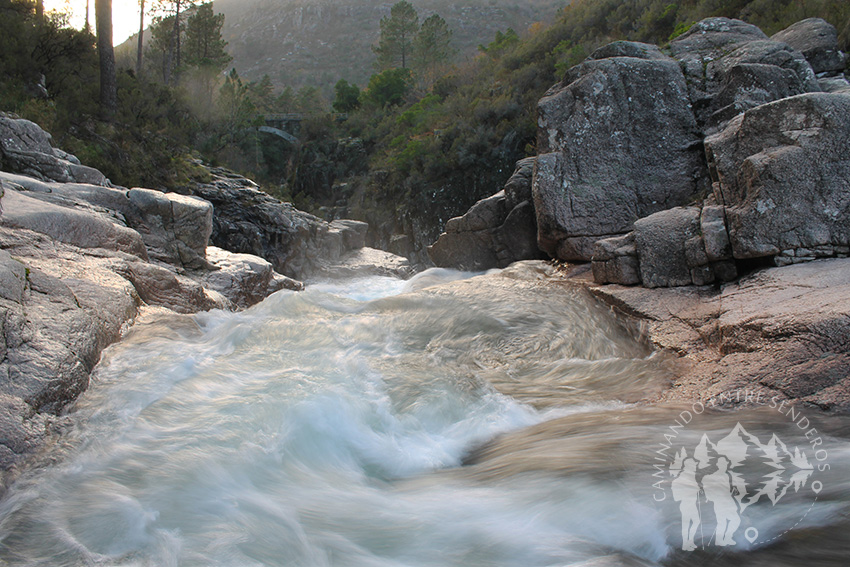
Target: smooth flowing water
443, 421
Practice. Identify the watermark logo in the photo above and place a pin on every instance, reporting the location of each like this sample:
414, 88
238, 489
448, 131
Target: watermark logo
714, 480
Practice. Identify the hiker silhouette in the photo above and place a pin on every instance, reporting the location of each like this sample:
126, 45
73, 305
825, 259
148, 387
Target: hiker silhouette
721, 493
686, 491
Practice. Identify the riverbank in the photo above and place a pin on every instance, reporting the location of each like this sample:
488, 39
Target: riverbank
781, 332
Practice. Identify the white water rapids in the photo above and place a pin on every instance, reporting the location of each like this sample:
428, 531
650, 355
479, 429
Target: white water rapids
477, 422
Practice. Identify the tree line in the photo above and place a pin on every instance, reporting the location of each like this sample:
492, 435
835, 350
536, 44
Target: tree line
420, 142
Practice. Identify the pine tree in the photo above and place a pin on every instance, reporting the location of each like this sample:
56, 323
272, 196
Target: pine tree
262, 95
432, 46
160, 46
172, 59
237, 113
205, 57
204, 44
397, 35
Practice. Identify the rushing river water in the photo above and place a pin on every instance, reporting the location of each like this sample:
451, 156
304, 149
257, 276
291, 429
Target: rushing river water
477, 422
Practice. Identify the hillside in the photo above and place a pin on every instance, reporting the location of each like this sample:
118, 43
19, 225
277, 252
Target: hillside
300, 42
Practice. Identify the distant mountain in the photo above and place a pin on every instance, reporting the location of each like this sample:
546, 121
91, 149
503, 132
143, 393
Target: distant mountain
318, 42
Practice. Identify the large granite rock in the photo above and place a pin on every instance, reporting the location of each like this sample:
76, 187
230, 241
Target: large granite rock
618, 142
364, 262
248, 221
705, 42
244, 279
495, 232
817, 40
175, 229
663, 242
68, 225
677, 247
60, 306
782, 172
628, 49
25, 148
615, 260
731, 67
756, 73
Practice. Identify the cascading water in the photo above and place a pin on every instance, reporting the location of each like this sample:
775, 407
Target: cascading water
377, 422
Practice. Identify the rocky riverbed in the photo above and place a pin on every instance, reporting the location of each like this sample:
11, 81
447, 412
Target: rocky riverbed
728, 208
80, 259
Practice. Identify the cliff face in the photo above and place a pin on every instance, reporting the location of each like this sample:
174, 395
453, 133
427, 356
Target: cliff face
319, 42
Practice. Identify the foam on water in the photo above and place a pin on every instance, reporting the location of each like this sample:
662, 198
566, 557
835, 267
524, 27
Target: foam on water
327, 427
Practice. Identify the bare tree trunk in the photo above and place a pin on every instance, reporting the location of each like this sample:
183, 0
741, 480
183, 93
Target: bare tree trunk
174, 55
141, 38
108, 81
39, 10
88, 20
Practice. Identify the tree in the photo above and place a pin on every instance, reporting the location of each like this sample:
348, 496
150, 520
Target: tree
141, 36
204, 44
205, 54
432, 46
172, 59
159, 48
389, 88
500, 44
397, 34
108, 80
237, 111
309, 100
262, 95
347, 96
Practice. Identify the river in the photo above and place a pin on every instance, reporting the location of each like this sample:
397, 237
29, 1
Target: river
443, 421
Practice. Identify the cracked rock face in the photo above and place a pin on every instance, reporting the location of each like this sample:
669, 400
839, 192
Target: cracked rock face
618, 142
783, 332
732, 66
782, 172
817, 40
59, 307
248, 221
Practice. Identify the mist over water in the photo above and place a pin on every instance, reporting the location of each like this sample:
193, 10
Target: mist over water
442, 421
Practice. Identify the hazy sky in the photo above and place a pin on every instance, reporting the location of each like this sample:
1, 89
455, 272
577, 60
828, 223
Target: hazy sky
125, 15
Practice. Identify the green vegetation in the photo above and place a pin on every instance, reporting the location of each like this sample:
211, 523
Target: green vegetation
347, 96
397, 35
419, 144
